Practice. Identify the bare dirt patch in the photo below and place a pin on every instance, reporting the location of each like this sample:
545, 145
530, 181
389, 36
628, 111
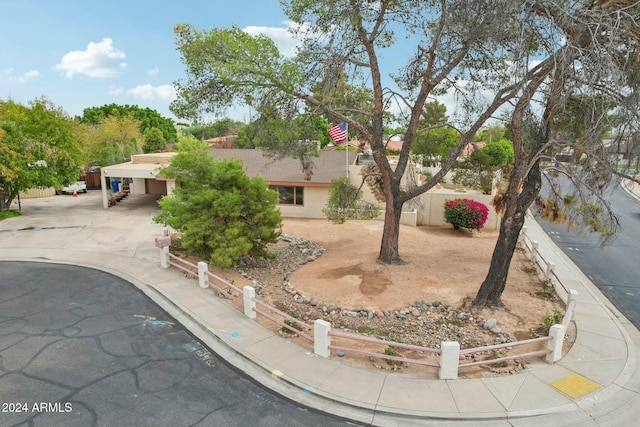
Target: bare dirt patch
425, 302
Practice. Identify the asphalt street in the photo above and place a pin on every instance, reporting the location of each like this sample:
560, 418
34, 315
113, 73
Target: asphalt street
614, 267
81, 347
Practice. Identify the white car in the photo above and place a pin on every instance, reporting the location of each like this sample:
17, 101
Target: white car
78, 187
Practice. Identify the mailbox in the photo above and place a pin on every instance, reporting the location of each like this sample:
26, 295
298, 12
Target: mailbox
163, 241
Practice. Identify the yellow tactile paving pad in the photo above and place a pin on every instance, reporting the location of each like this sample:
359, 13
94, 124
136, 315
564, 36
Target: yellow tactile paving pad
575, 386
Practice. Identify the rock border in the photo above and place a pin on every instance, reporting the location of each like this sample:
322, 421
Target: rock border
313, 251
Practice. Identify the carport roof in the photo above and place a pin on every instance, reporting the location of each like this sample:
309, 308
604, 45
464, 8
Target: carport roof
132, 170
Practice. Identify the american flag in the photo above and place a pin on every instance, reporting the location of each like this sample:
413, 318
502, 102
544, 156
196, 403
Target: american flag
338, 132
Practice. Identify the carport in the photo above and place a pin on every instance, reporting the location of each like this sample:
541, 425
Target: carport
142, 173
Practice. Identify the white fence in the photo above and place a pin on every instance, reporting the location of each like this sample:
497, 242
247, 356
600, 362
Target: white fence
447, 358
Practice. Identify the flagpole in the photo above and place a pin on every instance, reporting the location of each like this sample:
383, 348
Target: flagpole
346, 146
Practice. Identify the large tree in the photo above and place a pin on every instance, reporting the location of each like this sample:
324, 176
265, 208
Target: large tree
591, 71
222, 127
449, 45
113, 139
435, 139
38, 148
154, 141
146, 117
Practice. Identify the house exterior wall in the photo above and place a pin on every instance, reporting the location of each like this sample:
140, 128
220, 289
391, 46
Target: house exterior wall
137, 186
171, 185
315, 198
433, 207
430, 205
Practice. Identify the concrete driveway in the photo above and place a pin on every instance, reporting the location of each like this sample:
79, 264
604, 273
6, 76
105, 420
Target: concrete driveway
82, 224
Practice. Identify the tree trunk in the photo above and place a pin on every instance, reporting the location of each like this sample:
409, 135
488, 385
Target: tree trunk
389, 253
494, 283
524, 184
6, 197
510, 226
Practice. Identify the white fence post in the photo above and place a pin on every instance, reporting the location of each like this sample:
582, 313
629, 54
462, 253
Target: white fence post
202, 274
164, 257
249, 295
556, 332
449, 360
573, 296
523, 233
321, 338
549, 270
164, 251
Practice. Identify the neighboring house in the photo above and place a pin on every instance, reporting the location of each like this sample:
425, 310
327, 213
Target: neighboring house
471, 147
226, 141
394, 145
364, 146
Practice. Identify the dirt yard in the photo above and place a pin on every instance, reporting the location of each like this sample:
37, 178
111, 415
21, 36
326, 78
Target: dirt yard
443, 265
424, 302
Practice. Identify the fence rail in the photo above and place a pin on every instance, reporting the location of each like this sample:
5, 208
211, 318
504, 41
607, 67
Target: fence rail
387, 344
505, 358
288, 321
385, 356
547, 267
223, 287
321, 333
183, 265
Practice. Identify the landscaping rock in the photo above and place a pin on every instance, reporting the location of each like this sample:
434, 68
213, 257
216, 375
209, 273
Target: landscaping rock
490, 323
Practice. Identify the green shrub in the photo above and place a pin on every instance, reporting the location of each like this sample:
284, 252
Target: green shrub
292, 323
553, 319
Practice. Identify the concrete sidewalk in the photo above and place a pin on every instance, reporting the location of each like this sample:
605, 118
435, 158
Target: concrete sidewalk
120, 241
631, 187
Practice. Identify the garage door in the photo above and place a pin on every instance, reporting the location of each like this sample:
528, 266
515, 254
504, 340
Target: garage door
153, 186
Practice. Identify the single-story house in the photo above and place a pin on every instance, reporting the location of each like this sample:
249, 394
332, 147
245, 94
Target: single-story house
299, 197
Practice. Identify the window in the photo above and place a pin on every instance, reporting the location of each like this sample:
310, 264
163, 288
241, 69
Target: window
289, 195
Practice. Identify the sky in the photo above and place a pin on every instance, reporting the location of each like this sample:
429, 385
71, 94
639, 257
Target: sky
81, 54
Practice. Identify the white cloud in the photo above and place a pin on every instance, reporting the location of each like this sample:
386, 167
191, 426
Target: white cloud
115, 90
100, 60
33, 74
281, 37
8, 73
166, 92
154, 71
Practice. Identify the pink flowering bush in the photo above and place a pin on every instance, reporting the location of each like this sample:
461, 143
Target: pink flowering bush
465, 213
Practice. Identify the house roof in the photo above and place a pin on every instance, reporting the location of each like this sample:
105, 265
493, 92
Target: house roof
329, 165
364, 145
225, 141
